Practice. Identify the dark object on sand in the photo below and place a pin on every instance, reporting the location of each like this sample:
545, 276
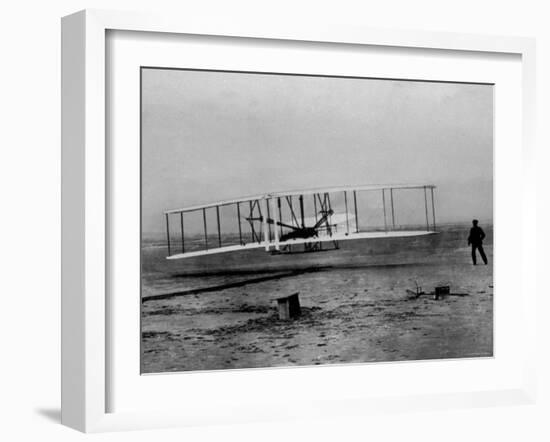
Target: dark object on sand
417, 293
289, 307
441, 291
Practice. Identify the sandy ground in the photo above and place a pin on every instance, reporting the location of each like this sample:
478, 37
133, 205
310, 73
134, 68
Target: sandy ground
355, 307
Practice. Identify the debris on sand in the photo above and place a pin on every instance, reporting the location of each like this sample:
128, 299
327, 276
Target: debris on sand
153, 334
438, 293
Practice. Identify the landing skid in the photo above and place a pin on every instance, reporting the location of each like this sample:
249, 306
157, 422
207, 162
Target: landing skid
308, 248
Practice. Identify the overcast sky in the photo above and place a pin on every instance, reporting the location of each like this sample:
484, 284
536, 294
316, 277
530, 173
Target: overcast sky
209, 136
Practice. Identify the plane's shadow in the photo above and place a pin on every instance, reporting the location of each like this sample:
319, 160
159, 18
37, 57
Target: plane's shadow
279, 269
267, 275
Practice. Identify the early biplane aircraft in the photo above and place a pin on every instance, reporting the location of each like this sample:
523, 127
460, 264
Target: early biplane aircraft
280, 222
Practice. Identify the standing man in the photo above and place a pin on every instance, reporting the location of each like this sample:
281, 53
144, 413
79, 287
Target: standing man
476, 241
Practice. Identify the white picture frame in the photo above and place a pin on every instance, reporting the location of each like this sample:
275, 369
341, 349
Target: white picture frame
85, 203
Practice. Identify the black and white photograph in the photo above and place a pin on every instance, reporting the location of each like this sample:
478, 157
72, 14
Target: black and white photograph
299, 221
302, 220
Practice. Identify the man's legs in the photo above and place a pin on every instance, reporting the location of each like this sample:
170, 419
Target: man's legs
482, 253
474, 254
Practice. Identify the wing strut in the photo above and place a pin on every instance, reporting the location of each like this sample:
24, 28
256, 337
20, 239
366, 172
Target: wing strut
426, 207
301, 198
264, 225
384, 206
239, 219
347, 214
433, 207
275, 230
280, 215
168, 234
315, 206
392, 212
182, 235
205, 229
356, 217
219, 228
